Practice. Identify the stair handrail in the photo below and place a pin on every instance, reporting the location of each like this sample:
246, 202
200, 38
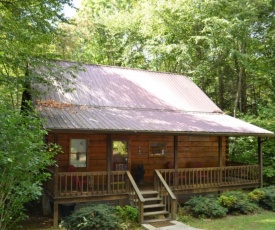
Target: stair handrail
139, 196
171, 195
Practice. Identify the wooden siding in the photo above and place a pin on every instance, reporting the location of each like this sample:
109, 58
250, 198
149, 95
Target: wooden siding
202, 149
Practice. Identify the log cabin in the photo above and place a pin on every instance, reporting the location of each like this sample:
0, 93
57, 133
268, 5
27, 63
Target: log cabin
141, 137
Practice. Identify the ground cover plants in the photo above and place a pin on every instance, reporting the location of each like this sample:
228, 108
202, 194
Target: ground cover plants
231, 208
101, 217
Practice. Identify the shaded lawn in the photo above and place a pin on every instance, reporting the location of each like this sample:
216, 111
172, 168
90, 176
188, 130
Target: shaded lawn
261, 221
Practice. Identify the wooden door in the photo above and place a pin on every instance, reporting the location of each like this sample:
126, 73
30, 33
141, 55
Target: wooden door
120, 155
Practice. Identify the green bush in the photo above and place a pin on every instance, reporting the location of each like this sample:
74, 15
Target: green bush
256, 195
237, 202
205, 206
268, 200
94, 217
184, 216
24, 157
127, 213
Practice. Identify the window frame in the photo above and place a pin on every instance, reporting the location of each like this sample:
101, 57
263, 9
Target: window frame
85, 147
162, 149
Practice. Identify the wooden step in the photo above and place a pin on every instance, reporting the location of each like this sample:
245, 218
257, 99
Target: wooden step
149, 192
148, 199
164, 212
154, 206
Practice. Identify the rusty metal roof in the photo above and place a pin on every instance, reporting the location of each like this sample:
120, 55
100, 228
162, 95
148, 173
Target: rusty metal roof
120, 99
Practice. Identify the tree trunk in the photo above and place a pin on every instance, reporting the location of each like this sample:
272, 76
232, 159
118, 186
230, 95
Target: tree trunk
239, 86
240, 100
221, 89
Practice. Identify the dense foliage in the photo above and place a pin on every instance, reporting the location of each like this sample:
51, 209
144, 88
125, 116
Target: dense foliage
237, 202
94, 217
28, 34
23, 158
205, 206
266, 197
226, 47
102, 216
28, 31
229, 202
127, 213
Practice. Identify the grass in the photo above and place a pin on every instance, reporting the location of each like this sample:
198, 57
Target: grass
262, 221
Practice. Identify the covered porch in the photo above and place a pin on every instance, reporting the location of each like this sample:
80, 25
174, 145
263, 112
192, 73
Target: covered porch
183, 180
75, 187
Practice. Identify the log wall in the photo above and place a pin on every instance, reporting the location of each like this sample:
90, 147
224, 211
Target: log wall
202, 149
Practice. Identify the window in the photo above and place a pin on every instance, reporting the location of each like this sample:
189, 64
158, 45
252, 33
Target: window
120, 155
157, 148
78, 153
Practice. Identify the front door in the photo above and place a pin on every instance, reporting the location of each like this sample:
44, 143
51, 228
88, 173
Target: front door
120, 156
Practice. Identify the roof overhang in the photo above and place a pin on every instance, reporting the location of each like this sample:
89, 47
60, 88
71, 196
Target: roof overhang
118, 120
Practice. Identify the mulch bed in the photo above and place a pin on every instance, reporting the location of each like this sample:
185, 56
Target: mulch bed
37, 222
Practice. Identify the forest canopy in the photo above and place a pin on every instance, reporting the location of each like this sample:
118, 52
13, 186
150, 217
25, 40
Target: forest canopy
29, 30
226, 47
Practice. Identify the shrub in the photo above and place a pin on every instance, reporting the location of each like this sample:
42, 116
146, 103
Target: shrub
205, 206
184, 216
237, 202
127, 213
268, 200
94, 217
256, 195
23, 159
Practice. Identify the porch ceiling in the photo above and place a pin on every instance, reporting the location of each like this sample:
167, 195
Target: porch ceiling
108, 119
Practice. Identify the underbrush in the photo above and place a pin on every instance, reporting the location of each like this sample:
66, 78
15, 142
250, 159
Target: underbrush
101, 217
228, 203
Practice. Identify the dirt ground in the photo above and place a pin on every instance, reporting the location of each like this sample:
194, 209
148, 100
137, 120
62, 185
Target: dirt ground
35, 222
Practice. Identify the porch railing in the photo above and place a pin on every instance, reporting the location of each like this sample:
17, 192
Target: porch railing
192, 178
135, 196
88, 183
168, 197
76, 184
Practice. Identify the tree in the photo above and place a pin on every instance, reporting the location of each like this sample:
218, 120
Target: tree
28, 31
28, 56
23, 159
222, 45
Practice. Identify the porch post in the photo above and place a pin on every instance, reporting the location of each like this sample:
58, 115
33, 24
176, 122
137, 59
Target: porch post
260, 161
109, 163
55, 189
56, 178
220, 151
220, 158
176, 151
55, 214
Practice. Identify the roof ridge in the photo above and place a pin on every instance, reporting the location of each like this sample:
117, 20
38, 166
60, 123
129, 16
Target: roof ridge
125, 67
149, 109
